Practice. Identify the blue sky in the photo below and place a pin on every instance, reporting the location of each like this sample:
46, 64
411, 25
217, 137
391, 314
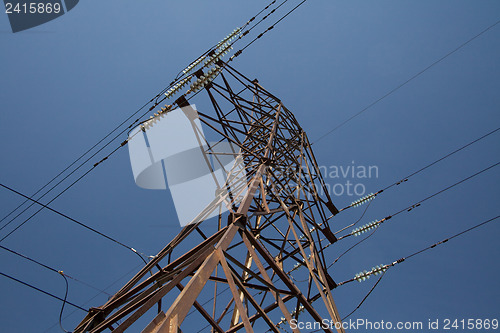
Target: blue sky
66, 84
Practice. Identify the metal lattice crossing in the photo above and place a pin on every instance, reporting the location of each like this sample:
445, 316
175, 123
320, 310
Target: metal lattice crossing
273, 237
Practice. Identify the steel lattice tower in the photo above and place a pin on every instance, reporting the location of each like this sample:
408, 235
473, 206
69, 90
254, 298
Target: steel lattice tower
268, 249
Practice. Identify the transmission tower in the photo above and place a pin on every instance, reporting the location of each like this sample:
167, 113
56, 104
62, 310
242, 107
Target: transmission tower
262, 264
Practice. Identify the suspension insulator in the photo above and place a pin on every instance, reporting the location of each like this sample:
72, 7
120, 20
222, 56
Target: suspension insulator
204, 79
367, 227
362, 200
222, 51
165, 109
177, 87
365, 275
228, 38
193, 65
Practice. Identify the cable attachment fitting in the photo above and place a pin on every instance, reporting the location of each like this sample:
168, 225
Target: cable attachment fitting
363, 200
402, 181
365, 275
413, 206
366, 227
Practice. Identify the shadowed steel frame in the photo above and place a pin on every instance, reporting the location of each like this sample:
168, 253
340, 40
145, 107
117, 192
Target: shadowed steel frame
257, 249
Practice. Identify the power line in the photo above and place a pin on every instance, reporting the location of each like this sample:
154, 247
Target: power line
59, 272
30, 259
64, 303
266, 31
43, 291
404, 83
405, 179
446, 189
49, 268
58, 183
100, 292
367, 295
67, 217
442, 158
418, 203
243, 34
429, 247
73, 163
454, 236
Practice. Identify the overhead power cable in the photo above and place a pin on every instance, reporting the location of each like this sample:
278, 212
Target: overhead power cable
50, 268
418, 203
69, 218
374, 225
99, 293
64, 303
265, 31
366, 275
385, 267
76, 161
366, 296
442, 158
59, 272
242, 34
404, 83
43, 291
372, 196
30, 259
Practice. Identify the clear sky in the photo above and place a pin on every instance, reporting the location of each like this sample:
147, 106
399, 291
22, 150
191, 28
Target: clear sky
67, 83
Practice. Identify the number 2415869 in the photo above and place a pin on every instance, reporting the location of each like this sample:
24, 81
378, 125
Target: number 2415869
32, 8
470, 324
